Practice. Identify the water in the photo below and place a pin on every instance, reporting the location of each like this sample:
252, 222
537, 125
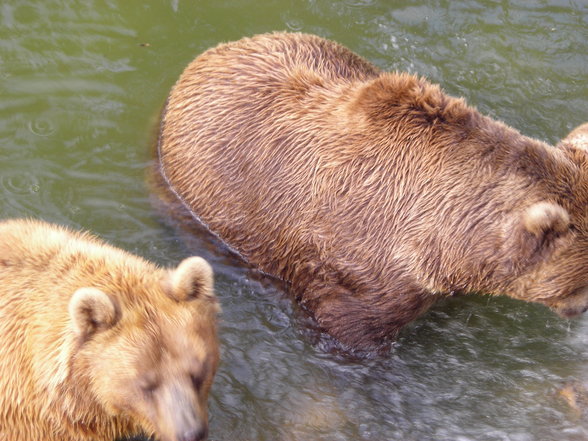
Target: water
81, 87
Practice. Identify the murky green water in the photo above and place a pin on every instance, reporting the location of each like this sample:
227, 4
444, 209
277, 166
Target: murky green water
81, 86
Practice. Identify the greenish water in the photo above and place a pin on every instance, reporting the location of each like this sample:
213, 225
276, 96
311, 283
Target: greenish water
81, 87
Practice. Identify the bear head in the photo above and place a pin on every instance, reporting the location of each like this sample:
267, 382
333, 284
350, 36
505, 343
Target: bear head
551, 235
149, 351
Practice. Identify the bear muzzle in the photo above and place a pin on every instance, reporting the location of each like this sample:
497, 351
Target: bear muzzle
181, 416
195, 434
572, 305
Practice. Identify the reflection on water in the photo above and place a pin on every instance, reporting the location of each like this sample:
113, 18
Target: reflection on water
81, 87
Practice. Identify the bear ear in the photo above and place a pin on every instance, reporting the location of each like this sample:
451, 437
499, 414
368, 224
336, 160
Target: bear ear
539, 225
577, 138
534, 232
91, 310
192, 279
546, 219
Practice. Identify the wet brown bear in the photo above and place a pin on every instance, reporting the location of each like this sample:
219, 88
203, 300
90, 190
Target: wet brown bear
96, 343
372, 193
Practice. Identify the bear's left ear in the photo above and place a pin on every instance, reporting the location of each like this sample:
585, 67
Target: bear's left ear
545, 218
91, 310
192, 279
541, 223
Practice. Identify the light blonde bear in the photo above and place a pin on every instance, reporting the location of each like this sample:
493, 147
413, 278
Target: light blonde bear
96, 343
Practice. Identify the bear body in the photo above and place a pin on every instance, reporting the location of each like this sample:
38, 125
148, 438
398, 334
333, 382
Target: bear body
371, 193
96, 343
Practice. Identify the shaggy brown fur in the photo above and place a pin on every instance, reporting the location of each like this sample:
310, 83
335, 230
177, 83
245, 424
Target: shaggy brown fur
372, 193
96, 343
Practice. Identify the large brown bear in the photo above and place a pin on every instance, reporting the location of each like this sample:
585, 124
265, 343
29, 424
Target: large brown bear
96, 343
372, 193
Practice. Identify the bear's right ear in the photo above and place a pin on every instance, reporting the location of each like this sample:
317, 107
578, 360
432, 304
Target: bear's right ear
91, 310
192, 279
577, 138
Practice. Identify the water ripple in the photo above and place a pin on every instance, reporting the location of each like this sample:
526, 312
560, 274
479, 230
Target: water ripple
19, 183
42, 127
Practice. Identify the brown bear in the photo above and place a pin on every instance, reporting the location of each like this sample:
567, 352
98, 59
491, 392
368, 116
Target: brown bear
96, 343
371, 193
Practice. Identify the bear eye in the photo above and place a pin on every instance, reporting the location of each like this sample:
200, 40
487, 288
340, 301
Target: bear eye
197, 381
149, 385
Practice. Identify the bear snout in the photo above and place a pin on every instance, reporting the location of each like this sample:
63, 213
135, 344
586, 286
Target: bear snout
197, 434
574, 304
181, 417
570, 312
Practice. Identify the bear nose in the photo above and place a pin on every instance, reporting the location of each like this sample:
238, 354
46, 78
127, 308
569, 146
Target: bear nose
196, 434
